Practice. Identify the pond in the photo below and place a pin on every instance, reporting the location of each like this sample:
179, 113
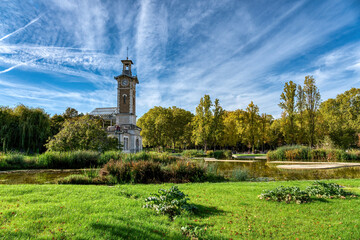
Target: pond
262, 169
35, 176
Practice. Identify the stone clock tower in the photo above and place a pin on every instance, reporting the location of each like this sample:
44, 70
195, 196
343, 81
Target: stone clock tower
126, 95
124, 114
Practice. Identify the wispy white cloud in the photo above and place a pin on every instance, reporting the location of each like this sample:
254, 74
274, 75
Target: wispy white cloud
234, 51
20, 29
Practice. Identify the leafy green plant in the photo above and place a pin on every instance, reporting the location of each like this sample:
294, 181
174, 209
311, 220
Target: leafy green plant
286, 194
81, 179
193, 232
240, 174
327, 190
170, 202
105, 157
193, 153
223, 154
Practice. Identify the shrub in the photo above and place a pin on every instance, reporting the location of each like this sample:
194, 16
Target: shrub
286, 194
193, 153
240, 174
290, 153
210, 153
15, 160
170, 202
146, 172
185, 171
354, 154
118, 169
223, 154
108, 155
81, 179
326, 190
164, 157
193, 232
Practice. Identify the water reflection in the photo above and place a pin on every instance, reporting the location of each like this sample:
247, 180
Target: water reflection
269, 170
34, 176
258, 170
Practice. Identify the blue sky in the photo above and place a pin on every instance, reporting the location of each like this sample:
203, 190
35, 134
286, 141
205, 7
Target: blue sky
60, 53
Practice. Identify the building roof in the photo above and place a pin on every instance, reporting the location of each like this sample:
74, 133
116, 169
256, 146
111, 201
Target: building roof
103, 111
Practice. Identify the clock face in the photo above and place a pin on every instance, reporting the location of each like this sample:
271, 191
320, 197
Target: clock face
124, 82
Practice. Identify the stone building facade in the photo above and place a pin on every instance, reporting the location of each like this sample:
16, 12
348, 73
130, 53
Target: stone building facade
122, 119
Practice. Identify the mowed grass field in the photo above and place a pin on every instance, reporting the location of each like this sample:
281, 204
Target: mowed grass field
227, 211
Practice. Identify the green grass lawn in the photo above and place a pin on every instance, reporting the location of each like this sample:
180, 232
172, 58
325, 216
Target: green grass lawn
229, 211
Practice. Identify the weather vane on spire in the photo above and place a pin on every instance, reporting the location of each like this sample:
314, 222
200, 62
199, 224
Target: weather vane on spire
127, 53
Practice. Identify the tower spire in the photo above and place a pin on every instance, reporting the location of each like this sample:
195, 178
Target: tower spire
127, 53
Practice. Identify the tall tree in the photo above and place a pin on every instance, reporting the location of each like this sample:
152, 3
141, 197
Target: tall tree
287, 104
342, 118
312, 102
251, 133
163, 127
155, 127
217, 123
83, 133
202, 123
300, 107
180, 119
70, 113
265, 123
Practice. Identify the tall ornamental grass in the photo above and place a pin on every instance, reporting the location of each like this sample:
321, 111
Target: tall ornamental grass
74, 159
303, 153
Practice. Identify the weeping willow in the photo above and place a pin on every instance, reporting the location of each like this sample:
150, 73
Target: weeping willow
24, 129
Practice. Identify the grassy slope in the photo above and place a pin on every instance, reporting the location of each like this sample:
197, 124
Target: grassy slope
231, 210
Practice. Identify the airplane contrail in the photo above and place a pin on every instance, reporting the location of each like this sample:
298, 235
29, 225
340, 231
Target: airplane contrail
18, 65
20, 29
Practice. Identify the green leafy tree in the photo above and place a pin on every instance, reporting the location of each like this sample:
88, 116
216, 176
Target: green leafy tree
202, 132
265, 122
232, 128
342, 118
252, 133
217, 124
300, 107
56, 123
70, 113
180, 129
83, 133
163, 127
312, 102
287, 104
276, 138
24, 129
152, 133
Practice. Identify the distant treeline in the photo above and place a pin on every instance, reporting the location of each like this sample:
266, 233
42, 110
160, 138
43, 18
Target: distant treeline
28, 129
304, 120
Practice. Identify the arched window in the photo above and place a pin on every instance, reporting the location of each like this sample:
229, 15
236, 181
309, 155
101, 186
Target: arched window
124, 98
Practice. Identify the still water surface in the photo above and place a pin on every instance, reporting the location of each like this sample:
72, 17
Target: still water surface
256, 170
269, 170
